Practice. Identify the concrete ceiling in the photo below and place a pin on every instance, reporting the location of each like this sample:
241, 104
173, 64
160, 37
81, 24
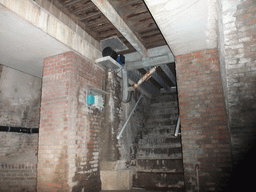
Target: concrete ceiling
23, 46
187, 25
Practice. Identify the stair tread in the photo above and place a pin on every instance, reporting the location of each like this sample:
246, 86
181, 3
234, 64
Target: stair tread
159, 127
166, 135
160, 156
149, 121
160, 171
157, 146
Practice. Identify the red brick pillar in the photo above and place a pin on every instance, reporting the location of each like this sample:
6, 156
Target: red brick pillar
68, 134
205, 135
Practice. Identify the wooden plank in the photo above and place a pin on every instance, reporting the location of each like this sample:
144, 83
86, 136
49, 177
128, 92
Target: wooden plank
106, 8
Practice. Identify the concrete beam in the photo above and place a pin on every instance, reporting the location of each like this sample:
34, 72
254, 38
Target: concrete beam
70, 35
156, 56
106, 8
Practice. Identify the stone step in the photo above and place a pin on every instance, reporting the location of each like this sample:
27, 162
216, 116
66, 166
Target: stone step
158, 141
163, 171
171, 104
143, 155
159, 151
160, 127
164, 98
159, 146
165, 114
150, 180
162, 119
152, 137
159, 131
156, 111
149, 164
159, 122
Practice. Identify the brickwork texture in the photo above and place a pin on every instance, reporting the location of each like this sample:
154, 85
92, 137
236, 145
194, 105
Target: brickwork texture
204, 126
17, 177
238, 47
69, 129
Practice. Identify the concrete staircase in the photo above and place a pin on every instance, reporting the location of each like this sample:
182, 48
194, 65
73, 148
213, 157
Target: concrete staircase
159, 155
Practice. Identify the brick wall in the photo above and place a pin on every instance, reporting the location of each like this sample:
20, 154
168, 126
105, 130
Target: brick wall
205, 136
17, 177
238, 47
69, 129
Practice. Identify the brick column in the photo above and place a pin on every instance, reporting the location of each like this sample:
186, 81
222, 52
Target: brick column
205, 136
68, 135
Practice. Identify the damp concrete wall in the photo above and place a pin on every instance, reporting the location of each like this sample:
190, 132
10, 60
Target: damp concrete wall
115, 116
20, 102
19, 107
128, 143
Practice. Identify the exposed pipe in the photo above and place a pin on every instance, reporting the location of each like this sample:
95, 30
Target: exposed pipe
177, 127
145, 77
127, 91
197, 176
19, 129
122, 130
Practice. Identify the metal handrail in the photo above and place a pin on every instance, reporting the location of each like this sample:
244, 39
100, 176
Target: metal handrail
122, 130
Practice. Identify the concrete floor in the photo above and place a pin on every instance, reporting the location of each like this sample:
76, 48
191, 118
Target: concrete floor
132, 190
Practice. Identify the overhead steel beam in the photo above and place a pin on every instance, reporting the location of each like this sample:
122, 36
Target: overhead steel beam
146, 88
156, 56
161, 81
169, 73
152, 80
107, 9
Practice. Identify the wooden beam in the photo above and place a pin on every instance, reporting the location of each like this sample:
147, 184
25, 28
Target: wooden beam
88, 16
83, 9
71, 3
106, 8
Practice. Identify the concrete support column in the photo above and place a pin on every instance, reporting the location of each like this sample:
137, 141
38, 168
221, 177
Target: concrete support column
204, 127
69, 129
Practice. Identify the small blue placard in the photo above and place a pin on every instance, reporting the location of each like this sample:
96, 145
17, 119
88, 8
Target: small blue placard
90, 99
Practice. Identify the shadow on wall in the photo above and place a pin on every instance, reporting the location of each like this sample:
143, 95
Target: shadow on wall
244, 142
